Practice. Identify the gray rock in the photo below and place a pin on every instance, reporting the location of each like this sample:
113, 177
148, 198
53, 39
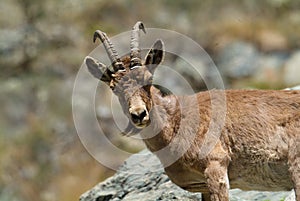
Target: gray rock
270, 67
238, 59
294, 88
142, 178
291, 197
292, 70
19, 48
11, 51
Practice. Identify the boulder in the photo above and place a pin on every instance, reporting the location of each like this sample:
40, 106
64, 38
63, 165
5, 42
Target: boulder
238, 59
292, 70
142, 178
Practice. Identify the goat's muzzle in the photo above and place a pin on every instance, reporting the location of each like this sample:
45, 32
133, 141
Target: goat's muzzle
139, 116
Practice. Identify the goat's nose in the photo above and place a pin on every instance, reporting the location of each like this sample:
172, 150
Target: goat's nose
139, 116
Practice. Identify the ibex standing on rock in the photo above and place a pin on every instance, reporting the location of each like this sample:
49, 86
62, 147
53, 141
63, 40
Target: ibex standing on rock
257, 146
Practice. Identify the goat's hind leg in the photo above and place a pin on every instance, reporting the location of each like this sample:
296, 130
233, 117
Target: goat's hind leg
294, 163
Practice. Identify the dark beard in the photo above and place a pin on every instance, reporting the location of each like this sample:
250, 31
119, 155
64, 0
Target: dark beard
131, 130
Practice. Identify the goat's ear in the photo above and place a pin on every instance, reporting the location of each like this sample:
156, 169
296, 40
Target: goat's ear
155, 56
97, 69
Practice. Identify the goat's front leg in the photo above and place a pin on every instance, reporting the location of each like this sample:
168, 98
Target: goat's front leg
217, 181
294, 163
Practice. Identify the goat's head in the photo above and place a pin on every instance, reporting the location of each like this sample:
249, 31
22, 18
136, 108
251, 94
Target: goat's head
129, 77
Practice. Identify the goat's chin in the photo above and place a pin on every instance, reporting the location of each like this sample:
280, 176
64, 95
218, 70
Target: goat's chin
140, 126
131, 130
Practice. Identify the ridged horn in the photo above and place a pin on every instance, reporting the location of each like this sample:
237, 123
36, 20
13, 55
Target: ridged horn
135, 52
117, 64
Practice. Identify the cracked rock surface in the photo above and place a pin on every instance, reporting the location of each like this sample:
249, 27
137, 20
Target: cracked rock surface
141, 178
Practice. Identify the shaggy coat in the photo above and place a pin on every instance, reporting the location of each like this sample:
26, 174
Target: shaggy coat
211, 141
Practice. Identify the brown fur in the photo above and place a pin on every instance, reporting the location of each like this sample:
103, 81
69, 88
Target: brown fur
254, 147
258, 146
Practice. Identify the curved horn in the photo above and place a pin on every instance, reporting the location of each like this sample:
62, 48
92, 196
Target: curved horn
135, 53
110, 50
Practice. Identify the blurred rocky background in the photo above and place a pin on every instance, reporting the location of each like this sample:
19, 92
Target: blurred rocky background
255, 44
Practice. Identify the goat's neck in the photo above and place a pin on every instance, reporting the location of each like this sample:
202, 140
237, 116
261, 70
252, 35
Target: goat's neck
164, 114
